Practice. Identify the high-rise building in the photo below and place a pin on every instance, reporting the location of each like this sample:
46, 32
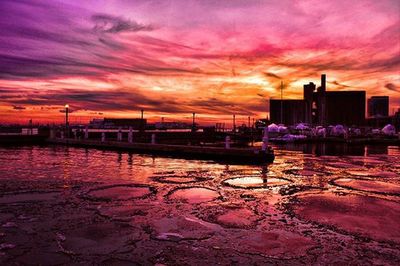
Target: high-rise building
378, 106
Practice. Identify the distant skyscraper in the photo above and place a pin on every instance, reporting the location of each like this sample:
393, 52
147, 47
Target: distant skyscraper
378, 106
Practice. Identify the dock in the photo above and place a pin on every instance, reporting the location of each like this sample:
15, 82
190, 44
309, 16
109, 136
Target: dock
250, 155
357, 141
19, 139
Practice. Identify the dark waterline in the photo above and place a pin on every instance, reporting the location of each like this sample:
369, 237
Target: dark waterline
338, 149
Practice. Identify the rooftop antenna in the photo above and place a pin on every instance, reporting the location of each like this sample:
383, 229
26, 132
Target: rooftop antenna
281, 102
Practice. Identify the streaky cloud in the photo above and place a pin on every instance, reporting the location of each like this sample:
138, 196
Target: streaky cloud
113, 24
392, 87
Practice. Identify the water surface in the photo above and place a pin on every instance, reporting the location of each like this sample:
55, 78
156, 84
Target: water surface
314, 204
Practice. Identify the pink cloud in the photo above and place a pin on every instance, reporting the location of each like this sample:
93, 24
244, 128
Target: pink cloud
230, 52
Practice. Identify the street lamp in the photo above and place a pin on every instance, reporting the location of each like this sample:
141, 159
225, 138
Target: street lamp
142, 126
234, 123
193, 122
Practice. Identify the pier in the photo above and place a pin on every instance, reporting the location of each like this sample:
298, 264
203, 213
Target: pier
23, 136
251, 155
22, 139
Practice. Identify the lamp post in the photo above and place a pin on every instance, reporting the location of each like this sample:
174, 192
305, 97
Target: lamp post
234, 123
141, 120
193, 122
66, 120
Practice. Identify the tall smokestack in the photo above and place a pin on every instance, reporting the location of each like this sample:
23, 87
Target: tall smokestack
323, 82
322, 101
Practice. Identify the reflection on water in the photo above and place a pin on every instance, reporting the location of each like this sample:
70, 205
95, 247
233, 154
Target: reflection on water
292, 161
255, 182
193, 195
268, 210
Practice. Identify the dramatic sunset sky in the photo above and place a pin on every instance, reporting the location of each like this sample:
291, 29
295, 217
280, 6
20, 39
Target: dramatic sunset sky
174, 57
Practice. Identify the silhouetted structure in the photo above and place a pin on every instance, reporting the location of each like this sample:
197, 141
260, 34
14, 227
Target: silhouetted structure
381, 121
396, 120
293, 111
321, 107
308, 92
135, 123
378, 106
320, 102
344, 107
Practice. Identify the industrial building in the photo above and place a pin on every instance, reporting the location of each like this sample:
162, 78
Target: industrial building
293, 111
344, 107
378, 106
320, 107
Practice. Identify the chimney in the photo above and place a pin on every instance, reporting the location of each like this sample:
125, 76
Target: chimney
323, 82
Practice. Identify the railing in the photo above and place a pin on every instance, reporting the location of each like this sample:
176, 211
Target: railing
100, 130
